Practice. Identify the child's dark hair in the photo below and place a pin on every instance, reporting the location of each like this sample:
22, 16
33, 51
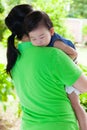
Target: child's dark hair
36, 18
14, 21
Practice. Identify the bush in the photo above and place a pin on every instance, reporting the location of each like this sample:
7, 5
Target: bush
6, 34
84, 68
83, 100
83, 97
56, 9
84, 30
6, 86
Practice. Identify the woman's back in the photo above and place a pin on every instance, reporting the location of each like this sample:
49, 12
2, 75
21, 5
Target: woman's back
39, 83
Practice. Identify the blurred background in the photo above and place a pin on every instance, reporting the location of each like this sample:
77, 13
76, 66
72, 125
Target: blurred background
70, 21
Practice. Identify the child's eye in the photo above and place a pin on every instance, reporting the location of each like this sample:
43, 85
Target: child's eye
41, 37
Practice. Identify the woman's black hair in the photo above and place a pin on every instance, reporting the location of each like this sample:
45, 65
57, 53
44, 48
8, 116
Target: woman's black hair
15, 23
36, 18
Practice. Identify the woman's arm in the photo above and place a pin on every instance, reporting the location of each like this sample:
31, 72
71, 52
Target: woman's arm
67, 49
81, 83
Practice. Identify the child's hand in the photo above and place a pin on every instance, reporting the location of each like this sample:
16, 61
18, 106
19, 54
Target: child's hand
67, 49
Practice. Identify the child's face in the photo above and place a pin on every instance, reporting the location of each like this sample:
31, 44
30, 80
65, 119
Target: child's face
40, 36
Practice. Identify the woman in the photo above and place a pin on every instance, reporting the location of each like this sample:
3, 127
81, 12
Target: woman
40, 79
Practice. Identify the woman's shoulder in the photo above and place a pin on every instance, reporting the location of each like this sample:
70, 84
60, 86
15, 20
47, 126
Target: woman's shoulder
24, 45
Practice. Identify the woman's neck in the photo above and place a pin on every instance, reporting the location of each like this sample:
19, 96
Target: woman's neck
25, 38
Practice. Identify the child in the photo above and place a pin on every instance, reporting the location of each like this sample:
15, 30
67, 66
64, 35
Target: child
40, 30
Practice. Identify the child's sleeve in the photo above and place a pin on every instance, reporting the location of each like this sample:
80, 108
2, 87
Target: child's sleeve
70, 89
56, 37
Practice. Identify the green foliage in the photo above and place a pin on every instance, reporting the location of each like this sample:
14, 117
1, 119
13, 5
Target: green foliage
84, 30
1, 7
56, 9
6, 87
2, 28
19, 111
78, 9
6, 34
2, 25
84, 69
83, 97
83, 100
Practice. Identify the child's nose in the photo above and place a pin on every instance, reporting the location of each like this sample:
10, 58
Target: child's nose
39, 41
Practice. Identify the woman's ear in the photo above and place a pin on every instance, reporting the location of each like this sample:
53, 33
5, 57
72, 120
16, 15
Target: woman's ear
52, 31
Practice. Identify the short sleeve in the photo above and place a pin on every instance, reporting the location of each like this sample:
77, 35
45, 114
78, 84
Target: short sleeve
56, 37
65, 69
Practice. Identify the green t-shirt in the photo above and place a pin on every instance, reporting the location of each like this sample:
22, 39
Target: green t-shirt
40, 75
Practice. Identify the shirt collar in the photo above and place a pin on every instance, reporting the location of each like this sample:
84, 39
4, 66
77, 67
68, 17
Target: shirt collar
24, 45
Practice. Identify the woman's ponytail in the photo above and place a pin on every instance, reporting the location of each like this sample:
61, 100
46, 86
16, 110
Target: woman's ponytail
12, 53
15, 23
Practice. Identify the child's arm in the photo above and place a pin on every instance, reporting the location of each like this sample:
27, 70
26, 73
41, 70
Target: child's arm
67, 49
79, 111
